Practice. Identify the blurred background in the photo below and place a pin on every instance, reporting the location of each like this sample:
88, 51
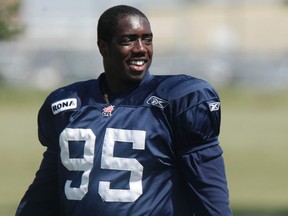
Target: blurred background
240, 46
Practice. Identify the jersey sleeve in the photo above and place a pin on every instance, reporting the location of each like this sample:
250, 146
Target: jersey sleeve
46, 128
196, 125
42, 198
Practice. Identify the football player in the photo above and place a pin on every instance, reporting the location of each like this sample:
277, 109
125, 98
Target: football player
129, 143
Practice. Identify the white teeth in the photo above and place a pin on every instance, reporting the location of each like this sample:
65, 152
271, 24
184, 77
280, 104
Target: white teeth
138, 63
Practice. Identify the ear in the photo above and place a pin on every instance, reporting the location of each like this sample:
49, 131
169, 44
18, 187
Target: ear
103, 47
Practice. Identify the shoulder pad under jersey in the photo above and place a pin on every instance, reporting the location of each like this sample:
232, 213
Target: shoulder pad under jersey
177, 86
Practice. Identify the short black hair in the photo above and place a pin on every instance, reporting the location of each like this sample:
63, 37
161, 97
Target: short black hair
108, 21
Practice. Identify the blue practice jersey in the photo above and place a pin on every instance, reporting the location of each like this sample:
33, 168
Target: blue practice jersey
153, 151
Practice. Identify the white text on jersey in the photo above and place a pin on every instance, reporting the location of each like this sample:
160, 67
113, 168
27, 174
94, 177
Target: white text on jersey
62, 105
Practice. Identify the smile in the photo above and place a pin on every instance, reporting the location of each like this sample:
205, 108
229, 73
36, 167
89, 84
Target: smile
137, 62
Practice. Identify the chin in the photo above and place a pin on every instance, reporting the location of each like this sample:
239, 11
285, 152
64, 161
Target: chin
137, 75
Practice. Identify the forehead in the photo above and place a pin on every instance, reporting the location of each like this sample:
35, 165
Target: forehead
133, 24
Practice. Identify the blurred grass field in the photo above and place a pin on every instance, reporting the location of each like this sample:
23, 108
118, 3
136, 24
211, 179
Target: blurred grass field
253, 136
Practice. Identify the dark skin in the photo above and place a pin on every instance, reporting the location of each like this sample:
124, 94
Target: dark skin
128, 56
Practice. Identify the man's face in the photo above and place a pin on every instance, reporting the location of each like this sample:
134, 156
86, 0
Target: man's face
129, 54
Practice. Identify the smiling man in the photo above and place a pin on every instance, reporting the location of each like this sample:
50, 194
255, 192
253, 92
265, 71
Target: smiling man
129, 143
126, 48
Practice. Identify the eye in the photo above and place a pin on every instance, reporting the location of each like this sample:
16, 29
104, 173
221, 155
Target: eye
127, 40
148, 39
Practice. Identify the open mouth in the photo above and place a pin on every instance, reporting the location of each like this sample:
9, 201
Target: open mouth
137, 65
137, 62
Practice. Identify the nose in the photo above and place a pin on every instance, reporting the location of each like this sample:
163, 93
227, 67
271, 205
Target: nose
139, 46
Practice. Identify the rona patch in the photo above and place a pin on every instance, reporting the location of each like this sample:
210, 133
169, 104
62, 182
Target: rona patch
62, 105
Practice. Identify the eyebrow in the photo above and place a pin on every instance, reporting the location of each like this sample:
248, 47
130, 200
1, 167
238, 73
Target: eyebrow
135, 35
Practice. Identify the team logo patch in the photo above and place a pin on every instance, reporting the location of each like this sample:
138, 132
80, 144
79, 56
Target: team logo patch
158, 102
62, 105
214, 106
107, 111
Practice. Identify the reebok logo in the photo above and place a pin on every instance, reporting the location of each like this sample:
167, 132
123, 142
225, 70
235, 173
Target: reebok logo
62, 105
214, 106
158, 102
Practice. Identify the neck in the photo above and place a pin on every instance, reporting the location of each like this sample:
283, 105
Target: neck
112, 90
114, 87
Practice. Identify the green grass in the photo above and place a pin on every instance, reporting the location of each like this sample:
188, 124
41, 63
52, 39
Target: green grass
20, 153
254, 128
253, 136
